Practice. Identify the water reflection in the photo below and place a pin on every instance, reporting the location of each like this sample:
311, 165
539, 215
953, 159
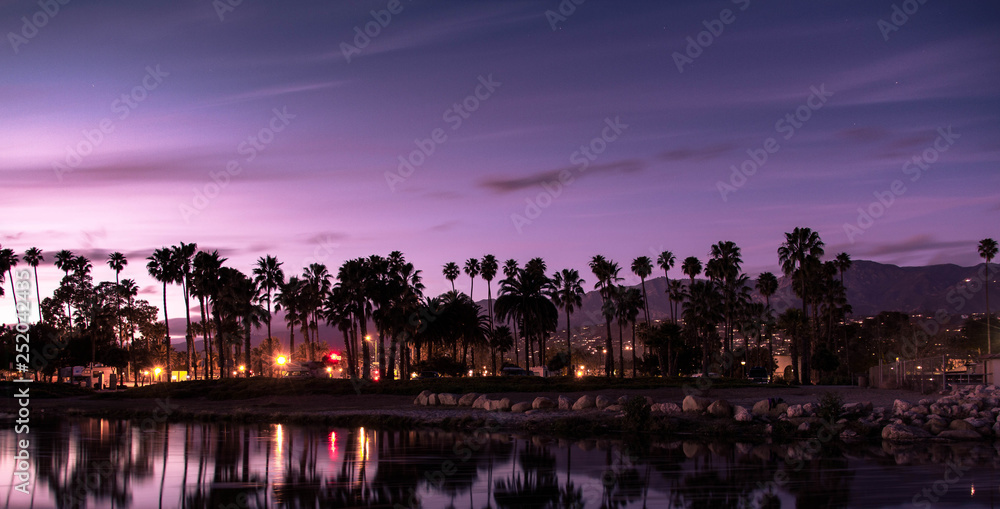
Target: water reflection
119, 464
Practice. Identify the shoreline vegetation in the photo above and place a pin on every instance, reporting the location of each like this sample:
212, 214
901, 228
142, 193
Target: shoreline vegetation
643, 408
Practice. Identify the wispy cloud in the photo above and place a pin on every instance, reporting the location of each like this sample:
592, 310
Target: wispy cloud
507, 185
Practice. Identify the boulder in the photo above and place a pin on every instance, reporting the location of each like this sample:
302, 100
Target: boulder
804, 427
468, 399
794, 411
422, 398
899, 407
959, 424
720, 408
741, 414
520, 408
542, 403
602, 402
665, 408
903, 433
585, 402
565, 403
613, 408
853, 408
447, 399
480, 402
695, 404
432, 400
960, 434
808, 409
761, 408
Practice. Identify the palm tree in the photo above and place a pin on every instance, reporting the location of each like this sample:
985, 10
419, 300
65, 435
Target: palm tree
8, 260
607, 276
501, 341
666, 262
643, 267
182, 259
724, 267
767, 285
205, 286
288, 299
691, 267
801, 245
629, 304
702, 314
843, 262
472, 270
568, 294
489, 267
117, 262
524, 296
317, 284
987, 250
451, 272
64, 262
128, 290
33, 256
162, 267
269, 277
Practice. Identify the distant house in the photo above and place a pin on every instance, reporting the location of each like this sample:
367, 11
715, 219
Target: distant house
992, 365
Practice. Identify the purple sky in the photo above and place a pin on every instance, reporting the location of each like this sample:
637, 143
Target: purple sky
320, 185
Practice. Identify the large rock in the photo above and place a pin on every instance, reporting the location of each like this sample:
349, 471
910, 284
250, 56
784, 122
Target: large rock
903, 433
565, 403
720, 408
741, 414
520, 408
899, 407
602, 402
794, 411
468, 399
447, 399
665, 408
959, 424
584, 403
433, 400
695, 404
480, 402
498, 405
422, 398
613, 408
542, 403
960, 434
769, 408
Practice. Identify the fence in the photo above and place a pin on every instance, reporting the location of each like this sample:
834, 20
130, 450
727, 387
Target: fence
926, 374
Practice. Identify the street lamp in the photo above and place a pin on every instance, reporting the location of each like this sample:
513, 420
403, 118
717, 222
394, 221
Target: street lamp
157, 371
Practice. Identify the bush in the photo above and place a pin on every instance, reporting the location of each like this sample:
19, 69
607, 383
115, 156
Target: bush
830, 407
637, 413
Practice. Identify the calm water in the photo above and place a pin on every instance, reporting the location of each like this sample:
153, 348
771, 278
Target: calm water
101, 463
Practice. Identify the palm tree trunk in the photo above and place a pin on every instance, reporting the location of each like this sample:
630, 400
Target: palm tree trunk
246, 346
166, 323
569, 347
621, 351
38, 296
609, 347
633, 349
188, 337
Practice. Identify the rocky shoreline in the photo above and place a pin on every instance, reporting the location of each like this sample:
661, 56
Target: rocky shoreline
970, 413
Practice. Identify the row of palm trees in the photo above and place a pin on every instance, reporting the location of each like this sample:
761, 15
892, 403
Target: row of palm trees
388, 292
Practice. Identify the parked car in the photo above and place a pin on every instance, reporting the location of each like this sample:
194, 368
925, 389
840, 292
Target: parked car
425, 375
757, 374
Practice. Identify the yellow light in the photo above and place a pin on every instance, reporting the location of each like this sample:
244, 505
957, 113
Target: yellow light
329, 369
281, 360
157, 371
243, 368
368, 337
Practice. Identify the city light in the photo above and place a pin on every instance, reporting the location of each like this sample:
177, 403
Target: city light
281, 360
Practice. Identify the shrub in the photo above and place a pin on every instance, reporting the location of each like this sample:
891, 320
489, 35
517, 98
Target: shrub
637, 413
830, 406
